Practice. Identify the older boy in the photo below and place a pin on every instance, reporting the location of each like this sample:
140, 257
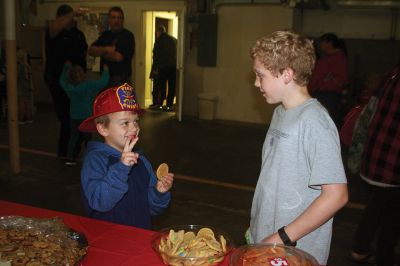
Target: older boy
302, 183
119, 185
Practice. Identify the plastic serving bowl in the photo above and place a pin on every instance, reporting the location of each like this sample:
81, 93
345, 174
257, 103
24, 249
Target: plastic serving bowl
186, 256
270, 254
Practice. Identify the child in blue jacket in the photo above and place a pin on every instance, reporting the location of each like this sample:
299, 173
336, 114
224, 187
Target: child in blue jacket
81, 93
119, 184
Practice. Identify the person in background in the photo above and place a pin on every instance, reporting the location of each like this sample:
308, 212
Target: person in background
118, 183
24, 87
380, 168
63, 42
302, 183
330, 77
81, 92
164, 64
116, 48
348, 136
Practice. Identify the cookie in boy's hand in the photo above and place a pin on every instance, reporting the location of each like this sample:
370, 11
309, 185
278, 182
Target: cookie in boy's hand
162, 171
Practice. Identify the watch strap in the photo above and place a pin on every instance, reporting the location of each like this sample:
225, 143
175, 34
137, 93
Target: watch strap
285, 238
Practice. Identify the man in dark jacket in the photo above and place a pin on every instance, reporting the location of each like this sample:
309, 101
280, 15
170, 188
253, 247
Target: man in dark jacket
64, 42
116, 48
164, 64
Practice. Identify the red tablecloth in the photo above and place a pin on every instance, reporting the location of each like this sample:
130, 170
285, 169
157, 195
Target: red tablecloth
109, 244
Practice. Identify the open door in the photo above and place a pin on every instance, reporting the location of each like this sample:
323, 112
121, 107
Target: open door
174, 22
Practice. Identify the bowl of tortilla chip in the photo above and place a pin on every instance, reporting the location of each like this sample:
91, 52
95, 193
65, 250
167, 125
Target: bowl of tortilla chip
191, 245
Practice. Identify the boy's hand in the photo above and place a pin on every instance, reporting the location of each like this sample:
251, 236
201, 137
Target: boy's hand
129, 157
165, 184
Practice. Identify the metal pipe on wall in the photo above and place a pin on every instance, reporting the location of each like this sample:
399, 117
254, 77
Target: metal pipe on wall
12, 97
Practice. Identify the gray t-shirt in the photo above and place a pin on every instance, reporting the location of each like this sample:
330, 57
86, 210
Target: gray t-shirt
301, 152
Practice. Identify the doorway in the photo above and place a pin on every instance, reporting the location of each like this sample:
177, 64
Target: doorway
154, 20
173, 23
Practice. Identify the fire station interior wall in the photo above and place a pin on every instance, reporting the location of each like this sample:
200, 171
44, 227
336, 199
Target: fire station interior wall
232, 79
238, 27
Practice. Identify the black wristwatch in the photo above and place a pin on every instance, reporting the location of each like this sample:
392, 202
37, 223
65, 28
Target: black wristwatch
285, 238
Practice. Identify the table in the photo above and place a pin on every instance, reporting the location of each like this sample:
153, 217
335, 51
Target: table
109, 244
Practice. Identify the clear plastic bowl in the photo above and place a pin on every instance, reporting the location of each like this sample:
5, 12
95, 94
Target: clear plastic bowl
204, 259
270, 254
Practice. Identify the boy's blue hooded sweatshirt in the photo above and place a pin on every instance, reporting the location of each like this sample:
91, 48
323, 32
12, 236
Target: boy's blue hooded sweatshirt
118, 193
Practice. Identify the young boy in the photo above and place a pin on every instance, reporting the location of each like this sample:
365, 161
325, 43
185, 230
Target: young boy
119, 184
302, 183
81, 93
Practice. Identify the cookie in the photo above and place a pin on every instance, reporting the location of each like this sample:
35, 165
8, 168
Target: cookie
162, 171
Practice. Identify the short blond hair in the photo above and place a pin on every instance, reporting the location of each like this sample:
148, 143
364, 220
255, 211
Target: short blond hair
285, 49
104, 120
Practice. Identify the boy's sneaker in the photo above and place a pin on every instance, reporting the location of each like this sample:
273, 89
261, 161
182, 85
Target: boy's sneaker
70, 162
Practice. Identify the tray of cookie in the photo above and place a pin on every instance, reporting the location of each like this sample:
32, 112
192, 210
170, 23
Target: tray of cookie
36, 241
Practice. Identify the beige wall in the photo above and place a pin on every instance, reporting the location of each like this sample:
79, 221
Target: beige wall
232, 79
352, 23
238, 27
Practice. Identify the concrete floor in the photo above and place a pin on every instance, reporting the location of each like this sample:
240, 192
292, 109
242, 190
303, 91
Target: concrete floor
216, 165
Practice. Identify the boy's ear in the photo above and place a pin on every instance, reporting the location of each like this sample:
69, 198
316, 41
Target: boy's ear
288, 75
102, 129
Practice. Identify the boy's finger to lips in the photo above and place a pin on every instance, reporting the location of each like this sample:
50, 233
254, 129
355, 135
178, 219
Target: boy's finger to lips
133, 142
127, 144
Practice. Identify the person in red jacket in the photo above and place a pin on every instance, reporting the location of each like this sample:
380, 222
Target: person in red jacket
330, 77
